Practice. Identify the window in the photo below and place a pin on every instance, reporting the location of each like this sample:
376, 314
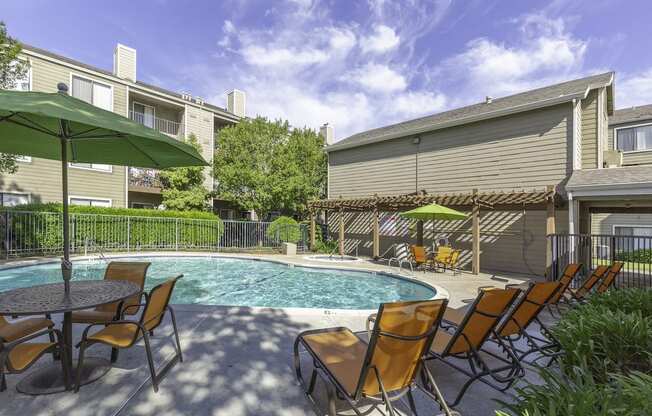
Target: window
636, 231
142, 205
10, 199
92, 166
23, 83
24, 159
144, 114
90, 202
93, 92
634, 139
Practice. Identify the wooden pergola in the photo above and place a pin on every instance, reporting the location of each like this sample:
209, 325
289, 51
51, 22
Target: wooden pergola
473, 200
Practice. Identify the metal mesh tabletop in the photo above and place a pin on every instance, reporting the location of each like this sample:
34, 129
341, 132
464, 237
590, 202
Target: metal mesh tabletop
50, 298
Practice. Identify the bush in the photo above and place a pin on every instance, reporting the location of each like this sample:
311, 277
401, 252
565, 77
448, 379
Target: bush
40, 229
635, 256
625, 300
285, 229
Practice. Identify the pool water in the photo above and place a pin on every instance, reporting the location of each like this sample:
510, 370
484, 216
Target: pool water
227, 281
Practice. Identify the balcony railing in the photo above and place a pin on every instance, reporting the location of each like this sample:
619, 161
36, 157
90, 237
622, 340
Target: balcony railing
147, 178
168, 127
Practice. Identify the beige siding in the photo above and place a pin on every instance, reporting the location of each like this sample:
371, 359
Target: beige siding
590, 130
42, 178
511, 241
200, 123
604, 223
520, 151
634, 158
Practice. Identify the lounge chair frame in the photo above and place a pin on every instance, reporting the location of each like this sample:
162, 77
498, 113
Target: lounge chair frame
85, 343
502, 377
386, 398
610, 277
566, 279
58, 348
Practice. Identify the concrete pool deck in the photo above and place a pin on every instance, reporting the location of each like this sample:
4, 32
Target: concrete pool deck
238, 361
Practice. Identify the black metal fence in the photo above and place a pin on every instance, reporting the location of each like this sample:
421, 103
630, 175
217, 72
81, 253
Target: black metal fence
593, 250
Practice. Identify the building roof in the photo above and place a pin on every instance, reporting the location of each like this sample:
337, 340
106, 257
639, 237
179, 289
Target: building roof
529, 100
145, 85
632, 114
610, 177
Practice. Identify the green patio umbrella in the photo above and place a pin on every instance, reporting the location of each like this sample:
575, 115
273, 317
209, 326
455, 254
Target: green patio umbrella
433, 212
59, 127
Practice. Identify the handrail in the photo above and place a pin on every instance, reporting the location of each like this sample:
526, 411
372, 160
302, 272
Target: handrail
97, 247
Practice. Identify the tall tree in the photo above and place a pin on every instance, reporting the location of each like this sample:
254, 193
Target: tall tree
12, 70
183, 188
267, 166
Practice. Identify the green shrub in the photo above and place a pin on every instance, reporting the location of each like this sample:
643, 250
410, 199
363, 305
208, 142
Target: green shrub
625, 300
635, 256
578, 394
112, 228
285, 229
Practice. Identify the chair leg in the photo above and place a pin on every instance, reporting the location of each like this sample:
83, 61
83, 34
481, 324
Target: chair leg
150, 361
176, 333
413, 405
3, 381
114, 354
332, 409
80, 364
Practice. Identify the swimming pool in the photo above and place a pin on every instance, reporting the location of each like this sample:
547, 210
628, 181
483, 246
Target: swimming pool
245, 282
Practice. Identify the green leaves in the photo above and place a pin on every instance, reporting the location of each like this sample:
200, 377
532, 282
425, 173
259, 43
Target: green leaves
183, 188
11, 70
267, 166
285, 229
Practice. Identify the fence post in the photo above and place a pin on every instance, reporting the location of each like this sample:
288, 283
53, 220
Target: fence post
72, 232
7, 234
176, 239
128, 234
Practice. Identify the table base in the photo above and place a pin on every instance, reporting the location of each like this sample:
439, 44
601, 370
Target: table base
49, 379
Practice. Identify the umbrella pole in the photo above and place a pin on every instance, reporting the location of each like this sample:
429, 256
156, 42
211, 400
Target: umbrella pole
66, 265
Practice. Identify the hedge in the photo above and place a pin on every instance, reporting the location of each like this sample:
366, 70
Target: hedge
285, 229
38, 229
635, 256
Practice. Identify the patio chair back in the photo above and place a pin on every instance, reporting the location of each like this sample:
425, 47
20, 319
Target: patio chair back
483, 316
402, 335
589, 283
157, 302
131, 271
454, 258
444, 254
610, 278
566, 279
418, 254
527, 308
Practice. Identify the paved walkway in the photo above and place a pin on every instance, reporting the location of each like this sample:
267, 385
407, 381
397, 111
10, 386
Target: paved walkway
238, 361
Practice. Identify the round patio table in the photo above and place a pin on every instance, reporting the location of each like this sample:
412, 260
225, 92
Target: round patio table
51, 298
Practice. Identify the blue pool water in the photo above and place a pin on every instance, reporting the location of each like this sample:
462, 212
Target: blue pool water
227, 281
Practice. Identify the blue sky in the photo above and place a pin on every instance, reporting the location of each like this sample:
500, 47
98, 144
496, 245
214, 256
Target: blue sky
355, 64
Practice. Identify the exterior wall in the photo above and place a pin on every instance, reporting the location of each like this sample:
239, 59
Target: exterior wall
144, 198
524, 150
200, 123
590, 130
510, 240
604, 223
630, 158
41, 178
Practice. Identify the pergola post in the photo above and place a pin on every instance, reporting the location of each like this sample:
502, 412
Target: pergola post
550, 230
341, 236
375, 232
475, 245
420, 232
313, 229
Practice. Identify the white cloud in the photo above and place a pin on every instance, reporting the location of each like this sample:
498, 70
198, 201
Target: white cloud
378, 78
282, 57
634, 90
383, 39
412, 104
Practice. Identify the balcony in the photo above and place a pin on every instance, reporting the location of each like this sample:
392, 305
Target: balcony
169, 127
144, 180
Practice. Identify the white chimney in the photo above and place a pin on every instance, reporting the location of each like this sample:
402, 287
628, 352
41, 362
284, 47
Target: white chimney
327, 133
124, 62
235, 102
488, 99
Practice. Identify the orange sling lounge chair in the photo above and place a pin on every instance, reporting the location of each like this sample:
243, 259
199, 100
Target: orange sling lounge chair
580, 294
466, 339
381, 371
610, 279
19, 355
566, 279
125, 333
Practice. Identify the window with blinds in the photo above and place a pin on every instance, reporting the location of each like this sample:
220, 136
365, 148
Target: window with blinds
100, 95
634, 139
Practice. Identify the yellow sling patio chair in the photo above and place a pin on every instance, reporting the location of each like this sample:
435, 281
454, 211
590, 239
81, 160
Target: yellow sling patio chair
13, 330
382, 370
447, 258
610, 279
419, 256
467, 336
19, 355
125, 333
581, 293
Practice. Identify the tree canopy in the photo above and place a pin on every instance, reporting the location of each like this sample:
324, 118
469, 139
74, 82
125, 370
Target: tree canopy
12, 70
268, 166
183, 188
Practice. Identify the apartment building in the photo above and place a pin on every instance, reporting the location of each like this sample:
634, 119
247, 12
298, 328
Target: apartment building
565, 137
178, 115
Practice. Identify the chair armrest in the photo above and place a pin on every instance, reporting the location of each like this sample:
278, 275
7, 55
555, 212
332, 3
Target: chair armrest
10, 345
